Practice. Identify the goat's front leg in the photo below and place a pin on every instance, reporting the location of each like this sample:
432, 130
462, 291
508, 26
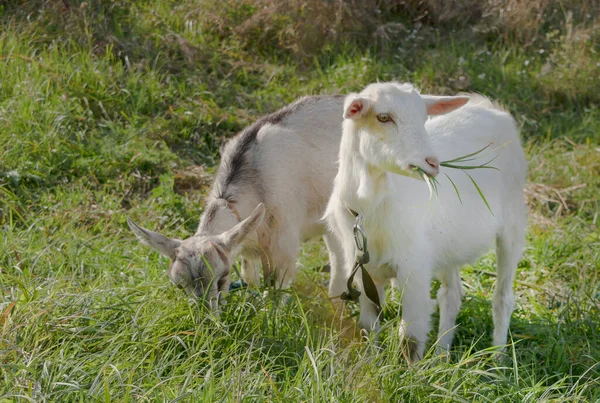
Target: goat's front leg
285, 269
369, 319
417, 308
251, 271
279, 264
338, 273
278, 274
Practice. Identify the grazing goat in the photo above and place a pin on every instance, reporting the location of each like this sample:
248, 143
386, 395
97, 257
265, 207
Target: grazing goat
412, 239
269, 194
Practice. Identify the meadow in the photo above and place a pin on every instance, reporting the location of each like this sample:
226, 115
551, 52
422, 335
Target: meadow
111, 108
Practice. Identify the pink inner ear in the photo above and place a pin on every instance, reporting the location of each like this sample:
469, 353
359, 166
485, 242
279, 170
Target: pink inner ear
443, 107
355, 108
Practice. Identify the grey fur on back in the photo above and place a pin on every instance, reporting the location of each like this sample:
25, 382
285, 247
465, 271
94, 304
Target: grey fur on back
286, 160
236, 167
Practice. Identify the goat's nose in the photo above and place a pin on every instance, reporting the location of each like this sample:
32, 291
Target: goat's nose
433, 162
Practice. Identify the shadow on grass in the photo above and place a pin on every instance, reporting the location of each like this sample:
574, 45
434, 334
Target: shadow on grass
566, 343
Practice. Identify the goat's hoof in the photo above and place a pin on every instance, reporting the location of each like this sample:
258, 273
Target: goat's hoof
442, 354
410, 350
501, 355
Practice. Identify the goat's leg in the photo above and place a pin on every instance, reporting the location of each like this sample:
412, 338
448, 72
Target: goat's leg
417, 307
251, 271
449, 300
338, 274
283, 262
509, 247
368, 319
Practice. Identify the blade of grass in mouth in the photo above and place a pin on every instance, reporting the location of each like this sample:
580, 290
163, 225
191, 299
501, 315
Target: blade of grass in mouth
432, 183
455, 163
464, 157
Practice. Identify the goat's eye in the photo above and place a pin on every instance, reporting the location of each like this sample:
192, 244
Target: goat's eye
384, 118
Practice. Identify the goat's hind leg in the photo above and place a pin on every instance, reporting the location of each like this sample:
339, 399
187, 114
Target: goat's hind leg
251, 271
509, 248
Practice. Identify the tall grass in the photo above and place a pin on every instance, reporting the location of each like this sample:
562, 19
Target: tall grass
107, 108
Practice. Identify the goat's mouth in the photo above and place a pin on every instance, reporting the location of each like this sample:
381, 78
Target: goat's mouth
196, 290
429, 171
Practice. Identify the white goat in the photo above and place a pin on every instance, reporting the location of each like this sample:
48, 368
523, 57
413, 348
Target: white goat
411, 239
283, 163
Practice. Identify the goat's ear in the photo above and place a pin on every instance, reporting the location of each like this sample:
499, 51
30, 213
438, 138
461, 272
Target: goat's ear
437, 105
234, 236
165, 246
356, 106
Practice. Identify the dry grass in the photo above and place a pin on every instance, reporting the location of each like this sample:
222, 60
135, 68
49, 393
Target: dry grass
303, 27
440, 11
554, 200
522, 21
191, 179
562, 31
549, 196
571, 71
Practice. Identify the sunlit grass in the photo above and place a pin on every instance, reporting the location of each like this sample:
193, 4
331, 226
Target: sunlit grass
103, 103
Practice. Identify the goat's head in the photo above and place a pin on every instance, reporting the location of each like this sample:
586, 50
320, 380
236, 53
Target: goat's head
390, 121
201, 264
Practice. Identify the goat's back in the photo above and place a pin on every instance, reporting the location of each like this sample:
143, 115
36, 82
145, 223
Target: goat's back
473, 127
465, 131
286, 160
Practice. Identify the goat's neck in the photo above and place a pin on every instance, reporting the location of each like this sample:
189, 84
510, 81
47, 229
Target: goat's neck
218, 217
361, 184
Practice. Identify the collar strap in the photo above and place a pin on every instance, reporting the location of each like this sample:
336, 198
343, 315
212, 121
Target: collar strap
362, 258
369, 287
354, 213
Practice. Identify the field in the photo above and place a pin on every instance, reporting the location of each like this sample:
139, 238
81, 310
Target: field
111, 108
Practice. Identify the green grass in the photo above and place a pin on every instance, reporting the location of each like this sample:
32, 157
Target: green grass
103, 107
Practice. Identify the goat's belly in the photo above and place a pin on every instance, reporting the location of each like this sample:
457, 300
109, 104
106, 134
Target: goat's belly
463, 249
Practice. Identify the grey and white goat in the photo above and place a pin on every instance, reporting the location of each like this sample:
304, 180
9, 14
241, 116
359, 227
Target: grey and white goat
269, 195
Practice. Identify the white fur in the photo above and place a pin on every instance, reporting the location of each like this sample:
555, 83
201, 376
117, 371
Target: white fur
413, 239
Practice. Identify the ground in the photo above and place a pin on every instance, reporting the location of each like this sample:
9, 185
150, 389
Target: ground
111, 109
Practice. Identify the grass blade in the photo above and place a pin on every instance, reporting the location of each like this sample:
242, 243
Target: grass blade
435, 184
432, 183
444, 164
455, 188
480, 193
464, 157
429, 185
